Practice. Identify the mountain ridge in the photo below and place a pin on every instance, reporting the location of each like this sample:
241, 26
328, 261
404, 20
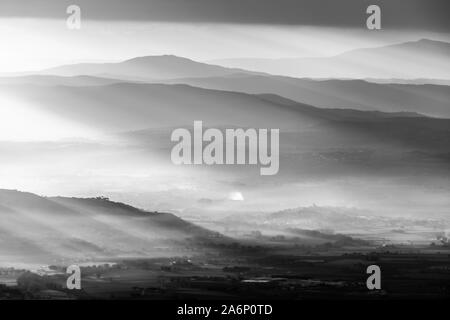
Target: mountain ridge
144, 67
407, 60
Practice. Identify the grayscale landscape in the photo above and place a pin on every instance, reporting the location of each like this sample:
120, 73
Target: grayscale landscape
86, 176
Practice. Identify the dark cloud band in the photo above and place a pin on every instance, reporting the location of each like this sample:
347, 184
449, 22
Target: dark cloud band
396, 14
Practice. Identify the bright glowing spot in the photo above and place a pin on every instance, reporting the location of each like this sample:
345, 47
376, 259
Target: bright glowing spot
236, 196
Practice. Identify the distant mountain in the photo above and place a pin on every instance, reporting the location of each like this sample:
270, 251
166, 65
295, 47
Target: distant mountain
416, 59
45, 230
391, 95
144, 68
131, 106
134, 106
427, 99
440, 82
415, 96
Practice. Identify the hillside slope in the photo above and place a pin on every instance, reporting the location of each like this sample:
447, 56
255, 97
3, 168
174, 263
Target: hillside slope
44, 230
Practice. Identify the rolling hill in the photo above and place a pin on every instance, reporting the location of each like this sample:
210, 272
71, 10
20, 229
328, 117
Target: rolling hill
413, 62
427, 99
44, 230
126, 107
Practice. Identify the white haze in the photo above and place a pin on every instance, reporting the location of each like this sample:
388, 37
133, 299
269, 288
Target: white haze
33, 44
143, 175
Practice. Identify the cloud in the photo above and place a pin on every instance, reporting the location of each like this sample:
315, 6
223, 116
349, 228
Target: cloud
409, 14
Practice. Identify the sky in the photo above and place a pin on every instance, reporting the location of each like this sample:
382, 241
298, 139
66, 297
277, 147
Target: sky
408, 14
37, 37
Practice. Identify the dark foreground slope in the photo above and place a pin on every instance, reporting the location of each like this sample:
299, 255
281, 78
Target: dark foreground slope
43, 230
